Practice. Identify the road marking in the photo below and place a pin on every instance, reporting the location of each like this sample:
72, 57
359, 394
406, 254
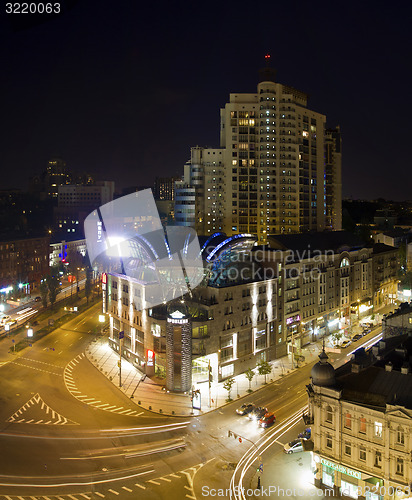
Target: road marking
165, 479
38, 401
140, 486
174, 475
113, 491
127, 489
153, 481
190, 496
124, 411
99, 494
85, 496
72, 497
187, 487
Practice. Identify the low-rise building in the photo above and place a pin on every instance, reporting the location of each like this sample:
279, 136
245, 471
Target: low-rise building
256, 303
361, 416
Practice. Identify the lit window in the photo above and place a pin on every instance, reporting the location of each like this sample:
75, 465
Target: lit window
378, 429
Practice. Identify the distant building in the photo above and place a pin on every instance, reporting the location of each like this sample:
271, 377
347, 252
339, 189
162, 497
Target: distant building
75, 202
361, 416
399, 322
56, 175
23, 261
385, 219
59, 251
164, 188
333, 179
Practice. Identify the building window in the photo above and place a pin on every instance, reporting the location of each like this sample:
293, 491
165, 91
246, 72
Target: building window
378, 429
362, 425
348, 449
328, 441
362, 453
399, 466
227, 371
329, 415
378, 459
348, 421
400, 436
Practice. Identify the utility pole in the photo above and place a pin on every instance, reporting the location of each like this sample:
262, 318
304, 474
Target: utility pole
210, 383
121, 336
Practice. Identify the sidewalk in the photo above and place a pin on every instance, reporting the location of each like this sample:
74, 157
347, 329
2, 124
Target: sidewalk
152, 396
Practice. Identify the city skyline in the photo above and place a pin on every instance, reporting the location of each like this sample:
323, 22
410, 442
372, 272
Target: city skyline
111, 95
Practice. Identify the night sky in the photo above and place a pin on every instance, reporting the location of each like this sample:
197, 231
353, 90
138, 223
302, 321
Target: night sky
123, 91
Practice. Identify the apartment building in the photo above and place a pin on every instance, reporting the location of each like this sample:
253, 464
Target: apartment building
274, 178
362, 422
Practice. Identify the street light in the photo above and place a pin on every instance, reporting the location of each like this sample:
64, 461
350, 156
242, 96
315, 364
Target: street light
30, 332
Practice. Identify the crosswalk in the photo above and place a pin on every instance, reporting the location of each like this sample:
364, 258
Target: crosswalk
118, 491
72, 387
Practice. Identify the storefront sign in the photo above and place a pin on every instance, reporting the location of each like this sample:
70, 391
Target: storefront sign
293, 319
341, 468
150, 357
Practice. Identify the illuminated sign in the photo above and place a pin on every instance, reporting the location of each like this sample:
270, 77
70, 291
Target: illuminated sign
293, 319
341, 468
150, 357
104, 278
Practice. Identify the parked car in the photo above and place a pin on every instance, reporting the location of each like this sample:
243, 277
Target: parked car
345, 343
293, 447
305, 434
257, 413
267, 420
365, 331
4, 319
11, 322
356, 337
245, 409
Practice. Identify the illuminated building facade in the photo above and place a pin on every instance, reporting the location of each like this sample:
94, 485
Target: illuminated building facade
258, 302
24, 261
361, 418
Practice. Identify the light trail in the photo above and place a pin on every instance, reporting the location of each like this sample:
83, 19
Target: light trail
253, 453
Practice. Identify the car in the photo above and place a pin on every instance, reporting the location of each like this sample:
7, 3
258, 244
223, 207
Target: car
11, 322
305, 434
257, 413
345, 343
365, 331
293, 447
356, 337
267, 420
37, 299
4, 319
245, 409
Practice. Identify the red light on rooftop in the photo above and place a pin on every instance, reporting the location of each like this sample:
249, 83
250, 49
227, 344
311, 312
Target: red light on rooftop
267, 56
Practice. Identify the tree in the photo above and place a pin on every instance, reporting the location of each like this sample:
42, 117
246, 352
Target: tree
249, 374
75, 260
336, 337
228, 386
53, 284
264, 368
44, 291
88, 284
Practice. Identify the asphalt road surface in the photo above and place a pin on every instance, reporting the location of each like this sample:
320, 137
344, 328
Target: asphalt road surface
57, 446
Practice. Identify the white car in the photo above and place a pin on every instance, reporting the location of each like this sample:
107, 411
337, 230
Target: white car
345, 343
294, 446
